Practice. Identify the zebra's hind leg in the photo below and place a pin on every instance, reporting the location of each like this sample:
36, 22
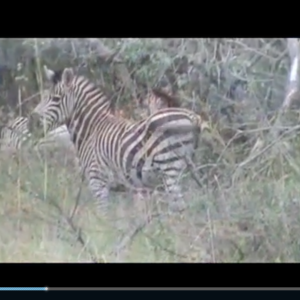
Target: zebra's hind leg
100, 191
171, 174
177, 203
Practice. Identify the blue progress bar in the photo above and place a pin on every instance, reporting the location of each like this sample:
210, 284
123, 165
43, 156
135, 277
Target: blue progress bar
23, 289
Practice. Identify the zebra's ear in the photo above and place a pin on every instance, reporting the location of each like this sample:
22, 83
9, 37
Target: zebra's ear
67, 76
49, 73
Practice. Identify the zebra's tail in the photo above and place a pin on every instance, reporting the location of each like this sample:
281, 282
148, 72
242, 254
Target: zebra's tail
197, 125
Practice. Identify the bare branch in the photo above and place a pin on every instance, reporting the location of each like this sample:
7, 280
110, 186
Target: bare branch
292, 84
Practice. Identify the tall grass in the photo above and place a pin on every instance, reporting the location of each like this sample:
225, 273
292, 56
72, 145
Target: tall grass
253, 218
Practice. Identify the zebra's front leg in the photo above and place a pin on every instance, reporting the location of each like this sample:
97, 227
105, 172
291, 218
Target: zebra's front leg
100, 190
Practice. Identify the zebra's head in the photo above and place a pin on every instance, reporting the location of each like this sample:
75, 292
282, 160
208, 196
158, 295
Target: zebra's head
56, 104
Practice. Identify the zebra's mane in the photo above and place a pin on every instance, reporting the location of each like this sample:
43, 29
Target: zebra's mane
108, 99
57, 77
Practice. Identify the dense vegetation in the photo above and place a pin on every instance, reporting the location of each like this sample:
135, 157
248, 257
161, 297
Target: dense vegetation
246, 207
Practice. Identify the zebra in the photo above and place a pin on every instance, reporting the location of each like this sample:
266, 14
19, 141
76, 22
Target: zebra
15, 134
113, 149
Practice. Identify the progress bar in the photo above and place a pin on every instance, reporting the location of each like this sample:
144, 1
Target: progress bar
23, 289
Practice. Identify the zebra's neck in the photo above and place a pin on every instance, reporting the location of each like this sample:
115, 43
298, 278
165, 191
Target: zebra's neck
91, 108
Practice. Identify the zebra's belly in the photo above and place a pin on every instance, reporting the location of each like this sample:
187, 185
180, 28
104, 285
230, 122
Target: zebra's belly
146, 178
137, 176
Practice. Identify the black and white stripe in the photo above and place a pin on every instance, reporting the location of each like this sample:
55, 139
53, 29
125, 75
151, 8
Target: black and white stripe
114, 150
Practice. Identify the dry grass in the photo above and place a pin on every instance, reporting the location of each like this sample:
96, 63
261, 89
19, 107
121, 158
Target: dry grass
256, 218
